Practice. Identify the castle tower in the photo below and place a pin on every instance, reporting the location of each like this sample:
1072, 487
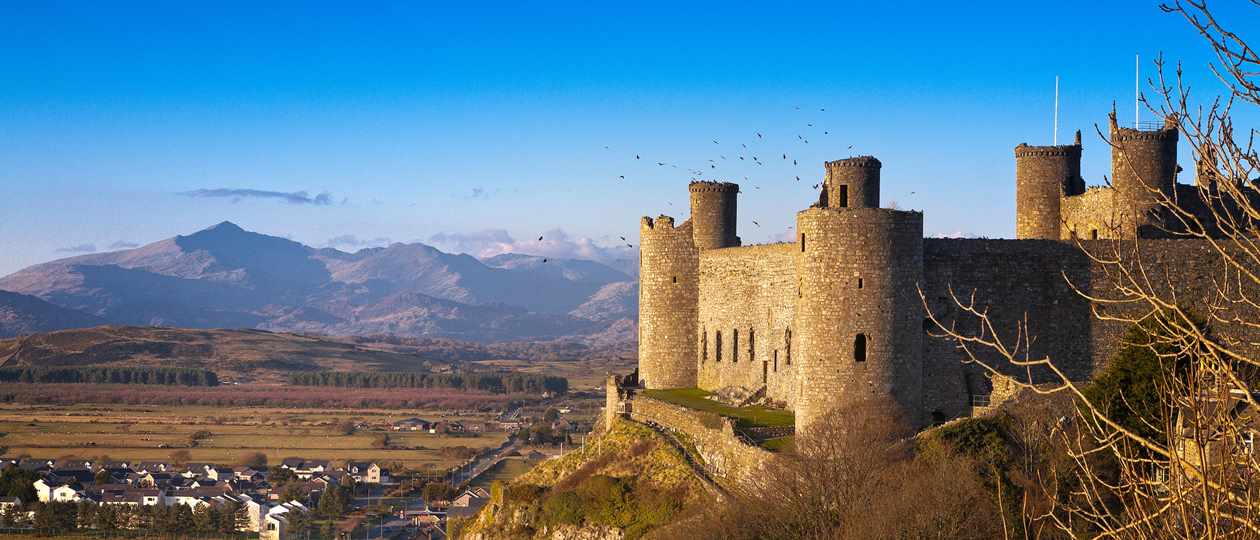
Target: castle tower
858, 324
1142, 160
851, 183
1043, 176
713, 214
669, 290
612, 402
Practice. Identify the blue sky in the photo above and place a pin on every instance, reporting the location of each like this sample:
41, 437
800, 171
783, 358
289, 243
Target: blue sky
401, 121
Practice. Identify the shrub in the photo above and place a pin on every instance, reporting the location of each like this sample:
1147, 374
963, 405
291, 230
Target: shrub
563, 508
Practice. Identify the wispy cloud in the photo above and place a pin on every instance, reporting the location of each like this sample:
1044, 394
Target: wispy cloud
555, 243
81, 248
237, 195
353, 242
123, 244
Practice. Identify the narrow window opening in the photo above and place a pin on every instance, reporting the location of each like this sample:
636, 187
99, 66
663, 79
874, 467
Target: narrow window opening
802, 242
859, 283
734, 345
859, 348
844, 195
675, 279
1093, 234
776, 360
787, 346
752, 348
717, 346
704, 345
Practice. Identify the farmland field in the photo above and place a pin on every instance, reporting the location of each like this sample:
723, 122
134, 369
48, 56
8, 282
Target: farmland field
143, 432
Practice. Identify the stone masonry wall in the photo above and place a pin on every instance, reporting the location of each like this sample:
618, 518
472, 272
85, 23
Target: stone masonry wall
725, 456
668, 290
1090, 216
747, 294
1018, 278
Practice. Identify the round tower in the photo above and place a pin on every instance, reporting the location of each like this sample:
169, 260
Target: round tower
668, 310
1142, 160
858, 322
1043, 176
851, 183
713, 214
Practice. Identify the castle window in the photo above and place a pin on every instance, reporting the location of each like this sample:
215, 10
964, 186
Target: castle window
1093, 234
776, 360
787, 346
675, 279
752, 351
859, 348
717, 346
704, 345
734, 345
802, 242
859, 283
844, 195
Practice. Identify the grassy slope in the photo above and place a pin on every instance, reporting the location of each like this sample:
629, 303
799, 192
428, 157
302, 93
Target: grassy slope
630, 452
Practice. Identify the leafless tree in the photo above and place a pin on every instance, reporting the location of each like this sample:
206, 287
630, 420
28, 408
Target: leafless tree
1196, 478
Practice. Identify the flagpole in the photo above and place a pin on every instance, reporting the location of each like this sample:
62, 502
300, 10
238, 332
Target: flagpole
1056, 110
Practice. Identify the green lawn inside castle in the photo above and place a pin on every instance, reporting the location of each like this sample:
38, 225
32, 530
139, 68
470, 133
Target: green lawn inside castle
747, 417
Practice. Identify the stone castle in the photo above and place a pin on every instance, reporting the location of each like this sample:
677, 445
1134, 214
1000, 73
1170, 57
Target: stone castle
836, 316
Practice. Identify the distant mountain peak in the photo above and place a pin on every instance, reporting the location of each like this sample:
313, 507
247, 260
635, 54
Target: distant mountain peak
226, 226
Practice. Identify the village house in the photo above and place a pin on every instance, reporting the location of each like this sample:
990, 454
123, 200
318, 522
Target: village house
412, 424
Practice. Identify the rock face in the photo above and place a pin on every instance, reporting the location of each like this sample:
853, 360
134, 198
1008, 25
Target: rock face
227, 277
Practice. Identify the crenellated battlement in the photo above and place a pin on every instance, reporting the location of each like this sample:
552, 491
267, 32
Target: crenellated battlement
856, 162
702, 186
660, 223
1063, 150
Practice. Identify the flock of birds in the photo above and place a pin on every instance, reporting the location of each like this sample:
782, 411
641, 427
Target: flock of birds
748, 153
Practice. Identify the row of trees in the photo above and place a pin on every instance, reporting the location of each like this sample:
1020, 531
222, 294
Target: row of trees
499, 383
110, 375
208, 520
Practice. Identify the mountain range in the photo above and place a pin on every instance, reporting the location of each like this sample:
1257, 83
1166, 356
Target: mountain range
228, 277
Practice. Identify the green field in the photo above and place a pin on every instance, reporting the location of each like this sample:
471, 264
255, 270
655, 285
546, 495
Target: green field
693, 398
155, 432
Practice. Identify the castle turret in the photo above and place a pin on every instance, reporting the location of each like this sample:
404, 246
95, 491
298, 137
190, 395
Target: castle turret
1043, 176
851, 183
713, 214
858, 322
1143, 164
668, 309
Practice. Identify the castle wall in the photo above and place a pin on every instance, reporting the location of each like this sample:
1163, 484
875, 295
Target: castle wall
1090, 216
668, 292
750, 291
858, 328
1017, 278
725, 456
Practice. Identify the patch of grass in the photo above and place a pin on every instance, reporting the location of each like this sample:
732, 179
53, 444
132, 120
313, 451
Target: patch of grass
780, 444
694, 398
